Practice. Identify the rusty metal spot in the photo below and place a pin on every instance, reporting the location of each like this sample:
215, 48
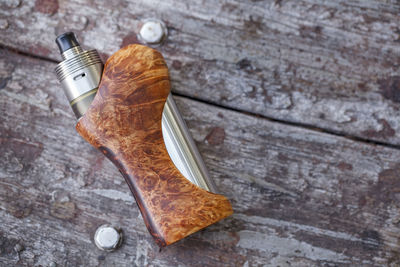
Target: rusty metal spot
63, 210
216, 136
385, 132
46, 6
390, 88
131, 38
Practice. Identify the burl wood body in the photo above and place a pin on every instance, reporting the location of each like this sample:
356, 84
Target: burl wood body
124, 122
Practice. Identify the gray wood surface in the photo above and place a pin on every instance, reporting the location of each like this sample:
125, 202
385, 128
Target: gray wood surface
326, 64
300, 196
293, 104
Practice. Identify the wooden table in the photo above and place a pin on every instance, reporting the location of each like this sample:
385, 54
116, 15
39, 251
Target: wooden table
294, 105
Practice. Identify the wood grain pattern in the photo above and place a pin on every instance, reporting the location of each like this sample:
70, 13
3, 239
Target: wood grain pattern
301, 197
326, 64
124, 122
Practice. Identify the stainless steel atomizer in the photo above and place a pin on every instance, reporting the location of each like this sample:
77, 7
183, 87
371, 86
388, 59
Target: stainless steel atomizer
80, 73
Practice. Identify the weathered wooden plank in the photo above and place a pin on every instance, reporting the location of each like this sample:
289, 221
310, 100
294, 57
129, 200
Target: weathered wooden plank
332, 65
300, 197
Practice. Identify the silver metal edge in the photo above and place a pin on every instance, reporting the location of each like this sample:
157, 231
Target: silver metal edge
182, 149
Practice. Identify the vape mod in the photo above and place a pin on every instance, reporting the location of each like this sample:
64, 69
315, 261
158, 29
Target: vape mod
127, 112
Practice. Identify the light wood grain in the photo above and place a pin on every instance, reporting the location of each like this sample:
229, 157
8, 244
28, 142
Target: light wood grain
326, 64
300, 197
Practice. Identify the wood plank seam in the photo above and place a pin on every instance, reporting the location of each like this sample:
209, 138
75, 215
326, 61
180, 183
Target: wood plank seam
296, 124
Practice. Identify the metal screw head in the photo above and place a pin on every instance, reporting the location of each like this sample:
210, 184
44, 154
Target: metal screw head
107, 237
153, 31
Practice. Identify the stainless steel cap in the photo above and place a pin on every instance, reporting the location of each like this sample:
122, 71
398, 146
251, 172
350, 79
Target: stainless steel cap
75, 60
107, 237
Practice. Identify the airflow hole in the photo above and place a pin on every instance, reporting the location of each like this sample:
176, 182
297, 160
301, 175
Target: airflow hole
80, 76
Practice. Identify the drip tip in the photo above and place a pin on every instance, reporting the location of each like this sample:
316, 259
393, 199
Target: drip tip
66, 41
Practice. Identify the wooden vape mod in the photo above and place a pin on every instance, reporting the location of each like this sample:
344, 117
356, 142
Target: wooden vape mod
127, 113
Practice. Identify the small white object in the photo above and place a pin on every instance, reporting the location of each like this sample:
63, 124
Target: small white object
152, 31
107, 238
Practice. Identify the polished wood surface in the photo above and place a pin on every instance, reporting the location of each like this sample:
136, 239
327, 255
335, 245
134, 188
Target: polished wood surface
124, 122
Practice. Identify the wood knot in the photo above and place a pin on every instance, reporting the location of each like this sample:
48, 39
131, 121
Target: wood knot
216, 136
63, 210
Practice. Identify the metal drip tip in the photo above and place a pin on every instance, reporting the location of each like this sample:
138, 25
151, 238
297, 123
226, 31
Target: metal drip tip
79, 73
